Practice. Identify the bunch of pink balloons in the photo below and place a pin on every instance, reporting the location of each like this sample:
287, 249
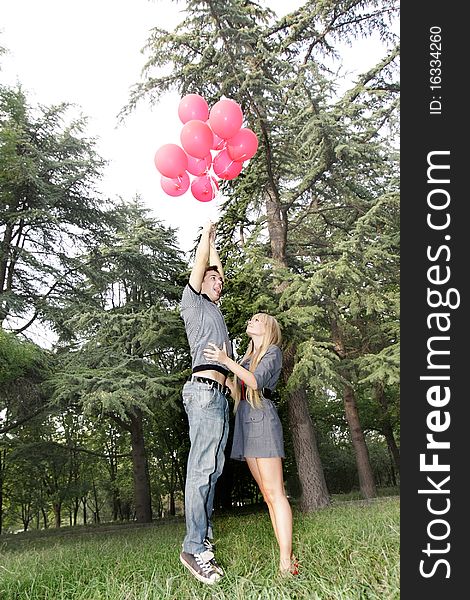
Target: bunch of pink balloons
214, 145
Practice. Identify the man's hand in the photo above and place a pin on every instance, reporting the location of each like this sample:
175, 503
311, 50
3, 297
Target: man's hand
209, 229
212, 236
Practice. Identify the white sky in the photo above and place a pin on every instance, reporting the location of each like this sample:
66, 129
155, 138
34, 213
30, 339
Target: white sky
88, 52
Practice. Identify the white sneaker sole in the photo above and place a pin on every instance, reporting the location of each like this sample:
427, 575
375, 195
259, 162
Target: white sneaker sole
219, 569
198, 576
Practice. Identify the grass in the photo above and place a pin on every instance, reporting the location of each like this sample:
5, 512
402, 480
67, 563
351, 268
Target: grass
347, 552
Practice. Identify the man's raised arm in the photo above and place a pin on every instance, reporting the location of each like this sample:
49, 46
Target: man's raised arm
214, 259
203, 253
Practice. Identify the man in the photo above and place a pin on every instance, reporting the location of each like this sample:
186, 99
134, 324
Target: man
205, 402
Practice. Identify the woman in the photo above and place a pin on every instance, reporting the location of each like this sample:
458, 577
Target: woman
258, 435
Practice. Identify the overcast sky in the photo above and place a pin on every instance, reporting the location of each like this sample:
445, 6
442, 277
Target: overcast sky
89, 52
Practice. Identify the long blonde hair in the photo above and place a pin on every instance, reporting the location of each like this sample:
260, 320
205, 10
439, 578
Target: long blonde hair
272, 336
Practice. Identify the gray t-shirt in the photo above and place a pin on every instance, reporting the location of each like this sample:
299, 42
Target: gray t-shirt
204, 323
269, 368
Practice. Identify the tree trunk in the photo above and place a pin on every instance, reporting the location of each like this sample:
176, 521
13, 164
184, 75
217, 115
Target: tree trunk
310, 470
309, 467
392, 445
117, 510
364, 470
76, 508
172, 505
57, 506
142, 500
84, 512
2, 471
387, 429
277, 226
4, 257
117, 513
96, 512
44, 518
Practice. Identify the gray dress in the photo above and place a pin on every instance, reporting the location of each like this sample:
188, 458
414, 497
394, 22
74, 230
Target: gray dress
258, 431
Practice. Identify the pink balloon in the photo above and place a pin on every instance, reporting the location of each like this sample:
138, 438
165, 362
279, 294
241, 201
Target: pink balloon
225, 118
198, 166
204, 188
218, 142
243, 145
193, 106
196, 138
224, 167
171, 160
176, 186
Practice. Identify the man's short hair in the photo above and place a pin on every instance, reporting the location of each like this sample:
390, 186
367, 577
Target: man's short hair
212, 268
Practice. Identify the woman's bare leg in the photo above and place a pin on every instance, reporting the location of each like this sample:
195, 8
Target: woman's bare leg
271, 483
253, 466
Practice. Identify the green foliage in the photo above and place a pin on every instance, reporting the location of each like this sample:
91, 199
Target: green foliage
250, 287
130, 345
317, 365
309, 233
47, 204
19, 358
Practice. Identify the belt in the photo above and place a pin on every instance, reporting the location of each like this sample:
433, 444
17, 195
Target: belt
223, 389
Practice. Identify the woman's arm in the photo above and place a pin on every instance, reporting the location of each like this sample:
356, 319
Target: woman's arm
220, 355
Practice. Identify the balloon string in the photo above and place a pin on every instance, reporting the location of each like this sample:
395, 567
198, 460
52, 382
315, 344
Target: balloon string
228, 166
215, 189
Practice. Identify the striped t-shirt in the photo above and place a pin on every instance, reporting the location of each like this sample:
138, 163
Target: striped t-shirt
204, 323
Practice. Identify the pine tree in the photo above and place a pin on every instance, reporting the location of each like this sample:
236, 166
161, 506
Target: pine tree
48, 207
124, 341
320, 165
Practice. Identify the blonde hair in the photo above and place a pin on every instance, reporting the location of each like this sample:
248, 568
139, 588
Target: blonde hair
272, 336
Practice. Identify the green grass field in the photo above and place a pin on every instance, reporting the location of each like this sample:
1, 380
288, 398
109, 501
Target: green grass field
347, 552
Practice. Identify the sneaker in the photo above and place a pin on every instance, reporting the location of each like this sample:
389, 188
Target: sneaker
200, 566
211, 547
208, 544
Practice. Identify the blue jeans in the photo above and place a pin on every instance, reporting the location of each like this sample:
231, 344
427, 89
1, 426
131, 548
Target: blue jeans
207, 411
